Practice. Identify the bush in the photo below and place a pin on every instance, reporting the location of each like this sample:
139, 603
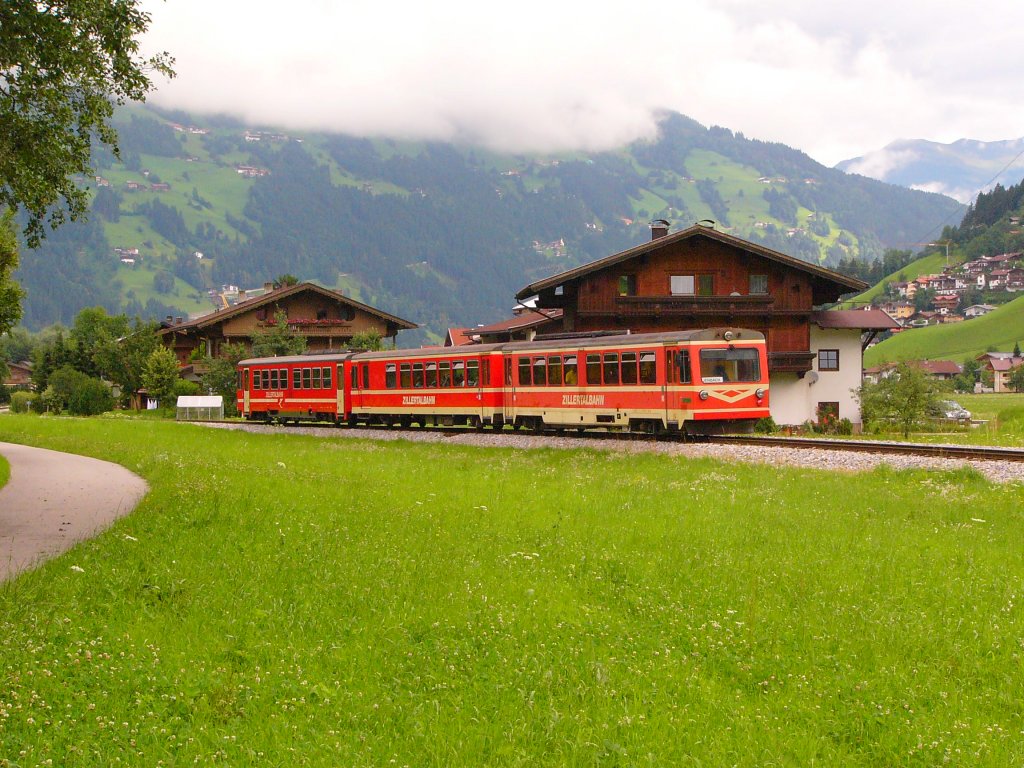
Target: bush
184, 388
21, 401
844, 427
765, 426
76, 393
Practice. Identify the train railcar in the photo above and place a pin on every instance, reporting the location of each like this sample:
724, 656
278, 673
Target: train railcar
438, 387
293, 388
698, 382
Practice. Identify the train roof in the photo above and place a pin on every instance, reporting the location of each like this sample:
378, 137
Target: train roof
321, 357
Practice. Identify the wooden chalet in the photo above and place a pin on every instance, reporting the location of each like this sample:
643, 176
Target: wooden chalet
695, 278
700, 277
326, 318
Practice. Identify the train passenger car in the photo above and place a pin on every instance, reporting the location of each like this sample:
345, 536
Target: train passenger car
697, 382
293, 388
443, 386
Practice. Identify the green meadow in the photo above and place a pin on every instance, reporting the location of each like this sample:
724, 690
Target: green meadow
289, 600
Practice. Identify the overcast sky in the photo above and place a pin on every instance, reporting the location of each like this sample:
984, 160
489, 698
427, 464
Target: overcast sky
835, 80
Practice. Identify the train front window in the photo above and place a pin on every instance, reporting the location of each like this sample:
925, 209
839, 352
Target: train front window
721, 365
472, 373
648, 368
629, 367
611, 368
555, 371
390, 379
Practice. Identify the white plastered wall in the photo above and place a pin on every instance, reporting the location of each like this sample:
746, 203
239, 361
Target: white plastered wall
795, 400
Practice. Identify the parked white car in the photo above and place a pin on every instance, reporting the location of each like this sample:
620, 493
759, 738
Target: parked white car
952, 410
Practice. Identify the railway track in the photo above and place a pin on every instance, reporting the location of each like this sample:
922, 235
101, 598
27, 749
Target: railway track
881, 447
970, 452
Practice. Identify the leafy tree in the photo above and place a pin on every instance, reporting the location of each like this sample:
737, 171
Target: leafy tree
64, 65
77, 393
367, 340
160, 374
287, 279
221, 376
163, 282
123, 360
10, 293
1016, 379
904, 398
277, 338
1016, 349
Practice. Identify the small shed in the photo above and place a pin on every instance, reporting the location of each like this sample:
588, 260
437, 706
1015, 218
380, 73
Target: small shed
200, 407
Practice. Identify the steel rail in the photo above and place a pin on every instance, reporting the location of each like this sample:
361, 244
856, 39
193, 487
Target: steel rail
971, 452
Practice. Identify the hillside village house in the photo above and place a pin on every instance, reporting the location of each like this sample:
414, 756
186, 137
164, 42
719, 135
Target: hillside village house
1000, 365
700, 277
326, 318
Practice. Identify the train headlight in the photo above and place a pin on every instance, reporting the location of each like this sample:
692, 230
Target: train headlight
759, 393
727, 336
703, 394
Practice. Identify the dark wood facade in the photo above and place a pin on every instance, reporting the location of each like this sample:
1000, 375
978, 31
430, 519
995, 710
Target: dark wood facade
697, 278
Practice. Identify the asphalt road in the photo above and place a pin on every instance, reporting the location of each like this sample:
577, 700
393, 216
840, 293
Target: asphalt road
54, 500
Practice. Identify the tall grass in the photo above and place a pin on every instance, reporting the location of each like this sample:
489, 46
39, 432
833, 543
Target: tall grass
283, 600
5, 471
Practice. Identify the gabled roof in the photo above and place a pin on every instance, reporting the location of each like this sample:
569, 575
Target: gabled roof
697, 230
458, 336
940, 367
523, 320
282, 293
862, 319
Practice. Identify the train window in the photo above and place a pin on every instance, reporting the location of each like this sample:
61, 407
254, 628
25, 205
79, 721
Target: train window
718, 365
284, 378
648, 368
683, 366
472, 373
444, 373
417, 375
485, 371
273, 378
307, 379
432, 375
316, 378
525, 372
571, 375
265, 376
508, 371
611, 368
555, 371
593, 369
390, 380
327, 378
354, 378
366, 376
540, 371
629, 367
458, 373
405, 380
296, 378
245, 380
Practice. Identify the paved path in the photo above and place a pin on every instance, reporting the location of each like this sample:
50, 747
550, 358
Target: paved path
54, 500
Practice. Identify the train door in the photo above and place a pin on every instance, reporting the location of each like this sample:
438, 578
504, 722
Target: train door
678, 378
246, 391
339, 378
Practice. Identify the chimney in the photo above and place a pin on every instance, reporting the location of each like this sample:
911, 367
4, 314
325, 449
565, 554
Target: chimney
268, 287
659, 228
179, 320
170, 319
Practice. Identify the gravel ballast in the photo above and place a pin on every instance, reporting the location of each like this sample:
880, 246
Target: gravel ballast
811, 458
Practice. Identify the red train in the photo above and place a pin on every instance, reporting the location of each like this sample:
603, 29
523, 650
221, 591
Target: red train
698, 382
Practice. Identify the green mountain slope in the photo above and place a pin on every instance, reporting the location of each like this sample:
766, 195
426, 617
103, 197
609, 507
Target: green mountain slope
438, 233
998, 330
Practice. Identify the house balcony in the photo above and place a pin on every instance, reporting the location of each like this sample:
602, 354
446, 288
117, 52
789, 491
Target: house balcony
791, 362
687, 306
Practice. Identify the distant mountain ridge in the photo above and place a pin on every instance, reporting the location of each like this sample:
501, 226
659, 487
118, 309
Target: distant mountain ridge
439, 233
959, 170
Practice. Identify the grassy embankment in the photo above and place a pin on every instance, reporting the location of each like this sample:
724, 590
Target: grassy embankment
999, 329
288, 600
5, 471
